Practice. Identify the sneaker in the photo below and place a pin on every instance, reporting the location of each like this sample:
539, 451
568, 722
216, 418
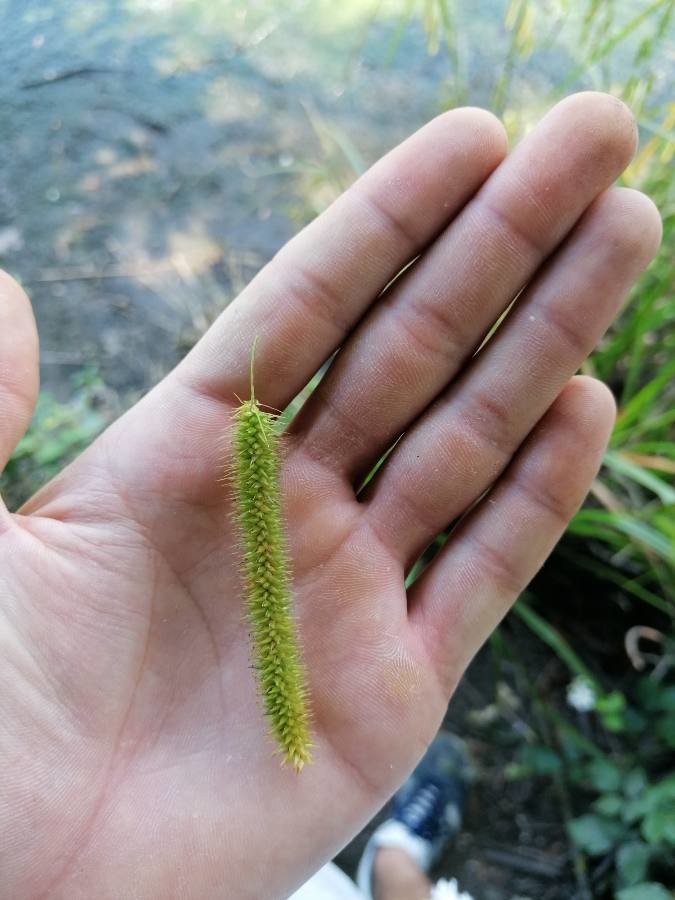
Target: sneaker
428, 809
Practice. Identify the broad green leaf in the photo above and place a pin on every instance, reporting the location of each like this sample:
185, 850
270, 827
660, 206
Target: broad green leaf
632, 860
634, 810
659, 825
635, 783
647, 890
665, 699
665, 729
662, 792
604, 775
594, 835
609, 805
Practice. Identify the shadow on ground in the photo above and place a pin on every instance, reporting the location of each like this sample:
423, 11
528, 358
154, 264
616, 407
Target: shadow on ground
153, 158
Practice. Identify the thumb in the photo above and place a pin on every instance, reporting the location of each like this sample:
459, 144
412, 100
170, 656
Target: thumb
19, 372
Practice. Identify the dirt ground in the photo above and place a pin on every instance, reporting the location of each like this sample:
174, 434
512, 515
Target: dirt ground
143, 180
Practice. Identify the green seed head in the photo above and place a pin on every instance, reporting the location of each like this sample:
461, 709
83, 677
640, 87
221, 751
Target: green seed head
275, 648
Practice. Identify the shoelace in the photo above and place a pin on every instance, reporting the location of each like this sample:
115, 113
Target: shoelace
422, 806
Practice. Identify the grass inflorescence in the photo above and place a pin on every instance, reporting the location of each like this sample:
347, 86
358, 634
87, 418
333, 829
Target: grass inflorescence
275, 647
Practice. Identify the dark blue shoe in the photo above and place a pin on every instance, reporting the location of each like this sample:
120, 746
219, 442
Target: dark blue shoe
427, 811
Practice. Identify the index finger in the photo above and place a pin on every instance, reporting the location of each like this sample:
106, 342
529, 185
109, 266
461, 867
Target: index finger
301, 305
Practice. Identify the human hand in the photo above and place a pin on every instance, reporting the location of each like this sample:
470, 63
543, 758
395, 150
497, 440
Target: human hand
136, 761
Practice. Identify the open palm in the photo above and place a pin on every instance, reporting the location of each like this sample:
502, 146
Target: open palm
136, 762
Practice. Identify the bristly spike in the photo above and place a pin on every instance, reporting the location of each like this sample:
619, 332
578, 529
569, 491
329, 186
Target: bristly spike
275, 649
255, 342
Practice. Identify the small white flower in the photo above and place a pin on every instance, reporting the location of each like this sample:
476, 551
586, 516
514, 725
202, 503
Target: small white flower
581, 694
448, 890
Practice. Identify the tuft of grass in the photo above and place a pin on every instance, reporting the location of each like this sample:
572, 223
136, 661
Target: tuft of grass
631, 519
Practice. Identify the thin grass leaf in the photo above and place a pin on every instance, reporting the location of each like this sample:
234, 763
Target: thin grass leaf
618, 463
551, 636
644, 399
628, 584
595, 521
606, 47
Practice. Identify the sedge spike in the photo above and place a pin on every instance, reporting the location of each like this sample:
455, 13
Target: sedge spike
275, 647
